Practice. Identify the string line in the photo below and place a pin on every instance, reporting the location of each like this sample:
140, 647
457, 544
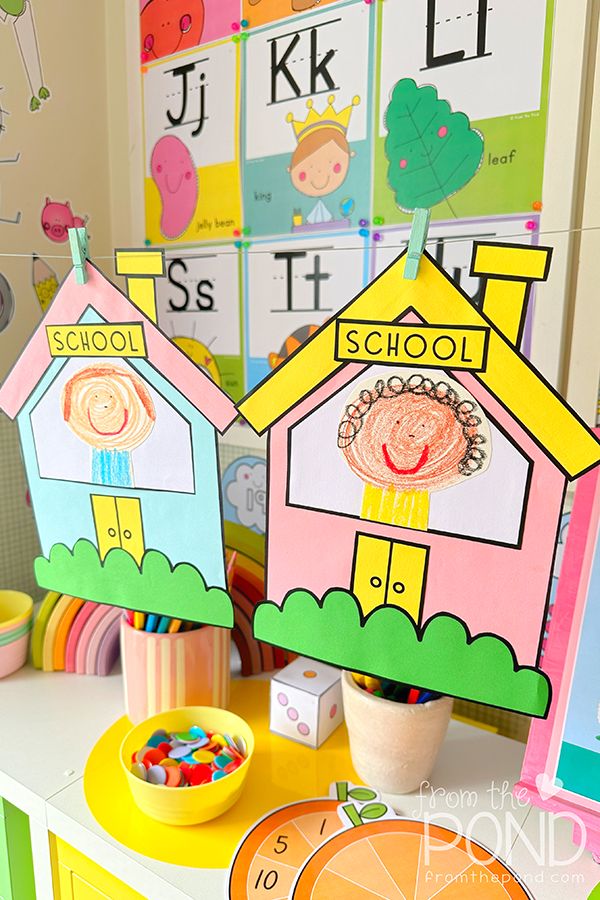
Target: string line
211, 249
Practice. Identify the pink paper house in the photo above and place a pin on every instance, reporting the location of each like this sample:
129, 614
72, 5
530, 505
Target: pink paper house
417, 468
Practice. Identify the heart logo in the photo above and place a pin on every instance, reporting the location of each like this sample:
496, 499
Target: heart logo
547, 786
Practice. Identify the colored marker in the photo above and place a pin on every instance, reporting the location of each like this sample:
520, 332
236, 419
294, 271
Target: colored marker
163, 625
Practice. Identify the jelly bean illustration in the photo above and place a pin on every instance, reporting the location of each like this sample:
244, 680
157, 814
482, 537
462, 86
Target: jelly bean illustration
175, 176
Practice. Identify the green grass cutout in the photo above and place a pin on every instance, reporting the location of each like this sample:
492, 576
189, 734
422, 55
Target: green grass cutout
442, 656
157, 587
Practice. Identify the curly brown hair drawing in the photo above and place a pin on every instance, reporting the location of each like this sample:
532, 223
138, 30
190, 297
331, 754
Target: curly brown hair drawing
413, 434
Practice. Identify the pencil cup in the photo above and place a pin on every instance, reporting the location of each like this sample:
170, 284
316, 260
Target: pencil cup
166, 671
393, 746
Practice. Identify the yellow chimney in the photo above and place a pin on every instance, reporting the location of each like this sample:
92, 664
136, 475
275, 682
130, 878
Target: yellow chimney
508, 272
141, 268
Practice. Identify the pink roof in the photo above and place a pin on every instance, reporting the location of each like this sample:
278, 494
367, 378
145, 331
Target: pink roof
108, 301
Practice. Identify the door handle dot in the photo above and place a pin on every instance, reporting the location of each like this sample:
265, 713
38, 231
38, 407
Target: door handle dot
376, 581
127, 533
112, 532
398, 587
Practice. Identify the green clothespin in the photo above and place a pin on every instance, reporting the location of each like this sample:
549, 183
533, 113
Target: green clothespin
79, 251
416, 242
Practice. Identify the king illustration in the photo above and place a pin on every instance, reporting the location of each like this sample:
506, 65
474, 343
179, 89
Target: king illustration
321, 160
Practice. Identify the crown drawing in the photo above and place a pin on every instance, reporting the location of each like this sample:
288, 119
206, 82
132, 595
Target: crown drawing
329, 118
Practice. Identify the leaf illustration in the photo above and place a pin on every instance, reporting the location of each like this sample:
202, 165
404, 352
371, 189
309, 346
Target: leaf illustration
432, 152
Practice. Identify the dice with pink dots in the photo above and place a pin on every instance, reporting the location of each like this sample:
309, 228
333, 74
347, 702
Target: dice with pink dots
306, 701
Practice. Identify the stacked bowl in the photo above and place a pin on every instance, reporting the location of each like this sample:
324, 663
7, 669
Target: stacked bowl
16, 619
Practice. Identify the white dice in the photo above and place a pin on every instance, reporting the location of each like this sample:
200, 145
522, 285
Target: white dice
306, 701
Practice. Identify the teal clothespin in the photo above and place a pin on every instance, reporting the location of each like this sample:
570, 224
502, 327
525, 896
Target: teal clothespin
416, 242
79, 251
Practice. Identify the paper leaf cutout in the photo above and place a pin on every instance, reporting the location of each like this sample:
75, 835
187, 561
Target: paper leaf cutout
157, 587
442, 656
432, 152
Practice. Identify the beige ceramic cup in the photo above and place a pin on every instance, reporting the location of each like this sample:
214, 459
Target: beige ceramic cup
393, 746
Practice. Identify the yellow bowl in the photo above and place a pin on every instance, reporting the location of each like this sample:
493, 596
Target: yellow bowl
15, 609
187, 805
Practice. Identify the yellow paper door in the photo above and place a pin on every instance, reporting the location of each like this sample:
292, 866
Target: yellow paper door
389, 572
118, 522
129, 513
106, 522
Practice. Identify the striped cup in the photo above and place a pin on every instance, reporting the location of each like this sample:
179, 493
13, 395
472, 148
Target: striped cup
166, 671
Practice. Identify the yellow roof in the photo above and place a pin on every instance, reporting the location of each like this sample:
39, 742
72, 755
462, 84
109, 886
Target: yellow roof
509, 376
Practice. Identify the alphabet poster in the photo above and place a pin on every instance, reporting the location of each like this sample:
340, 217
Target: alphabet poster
192, 172
307, 113
265, 125
199, 309
492, 62
291, 288
259, 12
451, 243
171, 26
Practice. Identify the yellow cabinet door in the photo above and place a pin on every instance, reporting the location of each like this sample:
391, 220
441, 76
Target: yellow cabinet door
78, 878
118, 523
390, 572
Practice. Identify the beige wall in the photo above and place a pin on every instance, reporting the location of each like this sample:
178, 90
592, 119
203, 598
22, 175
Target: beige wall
63, 147
75, 147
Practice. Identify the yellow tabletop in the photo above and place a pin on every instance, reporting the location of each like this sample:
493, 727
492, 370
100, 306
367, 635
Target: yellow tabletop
282, 771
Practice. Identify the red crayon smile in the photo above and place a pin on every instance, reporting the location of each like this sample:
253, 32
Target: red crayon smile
110, 433
388, 461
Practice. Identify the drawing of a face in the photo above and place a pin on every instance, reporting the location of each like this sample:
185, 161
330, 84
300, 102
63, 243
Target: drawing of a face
414, 434
320, 163
170, 25
108, 407
175, 176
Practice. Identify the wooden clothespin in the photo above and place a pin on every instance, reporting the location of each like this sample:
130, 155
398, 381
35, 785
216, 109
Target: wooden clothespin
79, 251
416, 242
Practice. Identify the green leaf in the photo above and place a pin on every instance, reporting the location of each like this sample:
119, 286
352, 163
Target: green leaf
432, 152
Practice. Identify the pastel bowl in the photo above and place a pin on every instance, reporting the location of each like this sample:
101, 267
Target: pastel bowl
15, 609
13, 656
187, 805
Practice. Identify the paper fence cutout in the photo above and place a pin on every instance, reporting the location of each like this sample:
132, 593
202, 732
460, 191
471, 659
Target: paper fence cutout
118, 433
561, 769
414, 509
432, 152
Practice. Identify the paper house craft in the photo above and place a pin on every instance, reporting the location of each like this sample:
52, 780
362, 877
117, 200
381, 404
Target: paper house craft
306, 702
417, 467
118, 434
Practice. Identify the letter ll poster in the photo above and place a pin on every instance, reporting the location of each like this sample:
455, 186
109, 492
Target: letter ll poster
493, 62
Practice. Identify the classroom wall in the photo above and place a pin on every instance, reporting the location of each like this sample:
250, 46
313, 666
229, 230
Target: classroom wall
69, 149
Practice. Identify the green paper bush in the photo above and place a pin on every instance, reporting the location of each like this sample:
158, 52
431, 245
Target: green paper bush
155, 587
442, 656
